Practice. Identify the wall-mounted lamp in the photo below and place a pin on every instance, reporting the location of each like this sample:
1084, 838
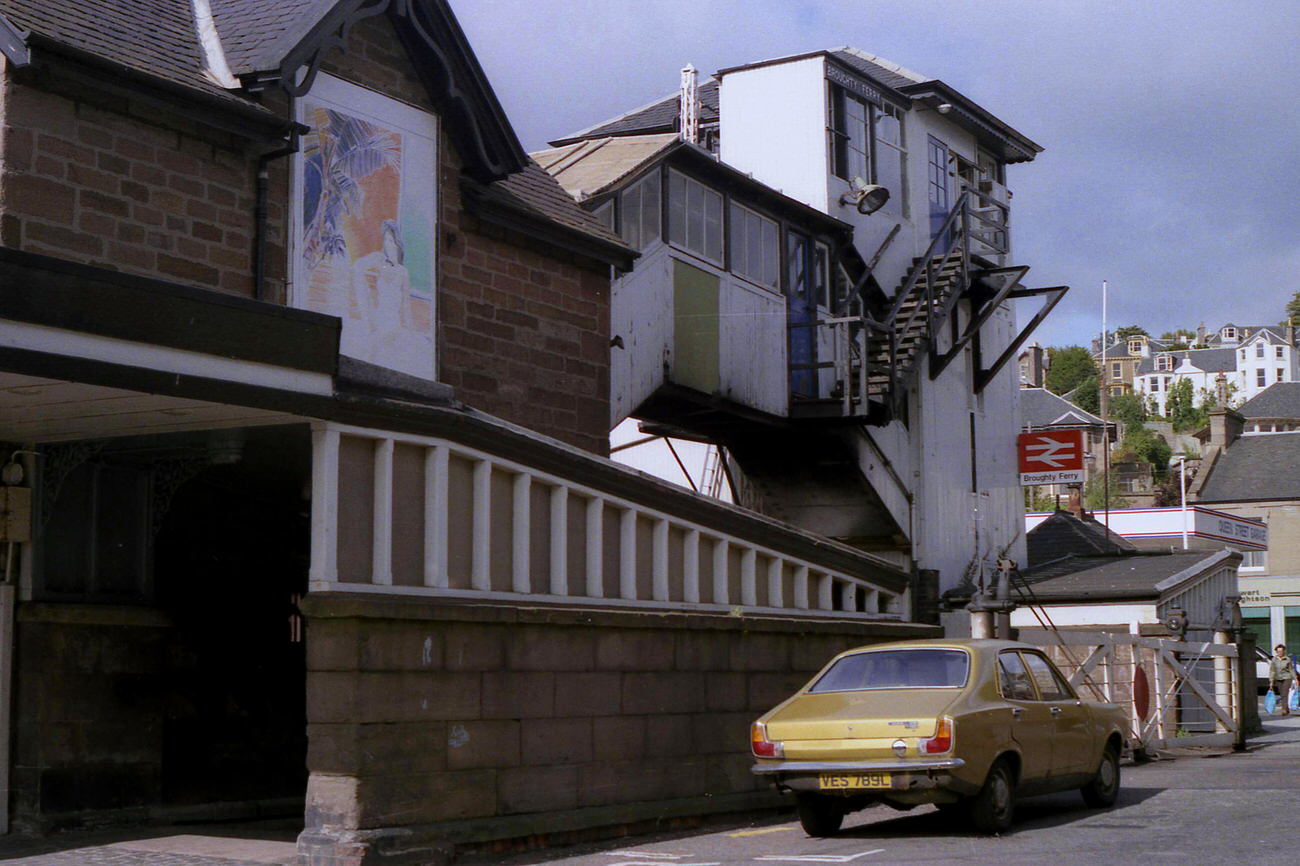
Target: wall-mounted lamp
866, 197
943, 107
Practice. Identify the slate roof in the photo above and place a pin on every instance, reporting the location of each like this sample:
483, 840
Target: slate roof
1276, 333
535, 193
1063, 534
1134, 576
249, 30
1040, 408
1256, 467
659, 116
1118, 350
153, 36
1279, 400
1209, 360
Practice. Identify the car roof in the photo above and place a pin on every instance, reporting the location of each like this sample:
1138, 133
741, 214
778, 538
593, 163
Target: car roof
973, 644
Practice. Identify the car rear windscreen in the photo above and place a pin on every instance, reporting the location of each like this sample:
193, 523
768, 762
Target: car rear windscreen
896, 669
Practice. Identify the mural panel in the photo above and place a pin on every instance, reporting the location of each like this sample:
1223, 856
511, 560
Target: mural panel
366, 208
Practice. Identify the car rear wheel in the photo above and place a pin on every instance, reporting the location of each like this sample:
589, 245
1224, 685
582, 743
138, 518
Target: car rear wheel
819, 816
1103, 790
992, 809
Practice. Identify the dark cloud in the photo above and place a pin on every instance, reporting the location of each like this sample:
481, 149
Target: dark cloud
1171, 130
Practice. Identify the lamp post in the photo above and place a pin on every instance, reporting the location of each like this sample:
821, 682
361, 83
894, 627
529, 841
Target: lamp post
1182, 491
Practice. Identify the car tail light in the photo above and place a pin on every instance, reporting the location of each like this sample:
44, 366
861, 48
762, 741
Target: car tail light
761, 746
942, 740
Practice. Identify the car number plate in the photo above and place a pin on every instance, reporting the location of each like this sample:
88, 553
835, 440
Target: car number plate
852, 781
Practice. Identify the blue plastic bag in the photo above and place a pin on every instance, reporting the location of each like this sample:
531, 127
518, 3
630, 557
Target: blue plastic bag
1270, 702
1293, 700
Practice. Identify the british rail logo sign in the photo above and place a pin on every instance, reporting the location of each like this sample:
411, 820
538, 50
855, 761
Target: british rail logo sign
1051, 458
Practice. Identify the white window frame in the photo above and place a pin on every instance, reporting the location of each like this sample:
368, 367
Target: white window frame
841, 99
680, 228
1254, 561
633, 199
767, 273
897, 187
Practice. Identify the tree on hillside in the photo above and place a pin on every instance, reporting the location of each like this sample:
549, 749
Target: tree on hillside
1179, 338
1130, 331
1094, 494
1130, 411
1087, 395
1067, 367
1293, 307
1182, 408
1141, 445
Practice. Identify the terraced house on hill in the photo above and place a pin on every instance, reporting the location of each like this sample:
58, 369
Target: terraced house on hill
825, 291
304, 402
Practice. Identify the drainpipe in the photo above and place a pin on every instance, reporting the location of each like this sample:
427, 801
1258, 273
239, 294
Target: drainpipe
260, 210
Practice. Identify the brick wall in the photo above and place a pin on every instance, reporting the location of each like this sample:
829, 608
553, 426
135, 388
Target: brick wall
523, 335
420, 713
123, 185
523, 329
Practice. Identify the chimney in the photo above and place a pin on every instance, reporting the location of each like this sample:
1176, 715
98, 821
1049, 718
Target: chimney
1225, 427
1200, 333
688, 125
1075, 504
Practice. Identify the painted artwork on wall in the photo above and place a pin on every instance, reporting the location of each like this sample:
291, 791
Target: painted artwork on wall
366, 199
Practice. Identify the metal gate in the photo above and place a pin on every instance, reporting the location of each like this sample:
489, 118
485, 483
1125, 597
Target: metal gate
1178, 692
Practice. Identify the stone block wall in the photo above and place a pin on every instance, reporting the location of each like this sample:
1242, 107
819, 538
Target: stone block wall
424, 717
88, 733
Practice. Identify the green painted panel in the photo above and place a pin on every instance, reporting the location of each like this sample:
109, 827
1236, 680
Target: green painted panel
695, 328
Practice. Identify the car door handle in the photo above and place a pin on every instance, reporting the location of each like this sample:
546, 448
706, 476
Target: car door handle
1017, 714
1056, 711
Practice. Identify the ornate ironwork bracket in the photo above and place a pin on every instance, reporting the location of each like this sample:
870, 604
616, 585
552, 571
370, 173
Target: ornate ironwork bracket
169, 476
57, 464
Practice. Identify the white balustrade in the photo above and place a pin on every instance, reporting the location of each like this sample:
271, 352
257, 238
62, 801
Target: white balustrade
676, 554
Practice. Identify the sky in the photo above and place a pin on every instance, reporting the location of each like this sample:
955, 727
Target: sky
1171, 131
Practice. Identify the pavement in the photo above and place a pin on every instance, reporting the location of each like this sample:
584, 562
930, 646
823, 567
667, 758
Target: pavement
273, 844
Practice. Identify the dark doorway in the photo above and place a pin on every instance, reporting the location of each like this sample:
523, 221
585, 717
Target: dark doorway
231, 558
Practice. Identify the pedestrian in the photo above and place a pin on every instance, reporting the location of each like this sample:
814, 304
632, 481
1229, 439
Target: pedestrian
1281, 673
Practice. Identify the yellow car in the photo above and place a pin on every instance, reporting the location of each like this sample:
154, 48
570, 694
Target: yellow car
962, 724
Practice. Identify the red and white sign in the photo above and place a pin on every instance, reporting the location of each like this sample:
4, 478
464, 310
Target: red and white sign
1054, 457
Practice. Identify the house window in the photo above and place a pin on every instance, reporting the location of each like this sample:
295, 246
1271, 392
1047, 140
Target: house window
1279, 375
1259, 377
695, 217
1164, 362
1259, 350
604, 214
640, 205
1280, 353
1155, 384
1168, 379
755, 247
98, 544
1229, 333
1116, 370
1135, 347
891, 157
850, 131
1253, 560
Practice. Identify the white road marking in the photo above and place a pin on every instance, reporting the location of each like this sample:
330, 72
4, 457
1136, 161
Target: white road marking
817, 858
654, 856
